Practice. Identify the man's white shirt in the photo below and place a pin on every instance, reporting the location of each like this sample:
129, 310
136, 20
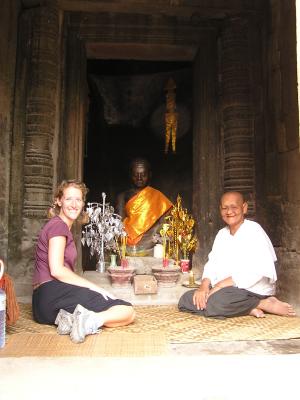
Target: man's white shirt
247, 256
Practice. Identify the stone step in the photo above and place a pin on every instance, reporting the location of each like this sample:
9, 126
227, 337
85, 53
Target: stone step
164, 295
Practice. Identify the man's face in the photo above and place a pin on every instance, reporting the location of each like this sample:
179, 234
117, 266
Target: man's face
140, 175
233, 209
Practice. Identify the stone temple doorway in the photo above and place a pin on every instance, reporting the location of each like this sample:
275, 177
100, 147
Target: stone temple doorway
193, 62
127, 104
52, 112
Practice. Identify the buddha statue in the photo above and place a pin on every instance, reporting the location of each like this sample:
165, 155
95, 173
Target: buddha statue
142, 209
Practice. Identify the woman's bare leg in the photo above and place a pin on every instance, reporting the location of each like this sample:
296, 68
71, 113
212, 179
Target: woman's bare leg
118, 316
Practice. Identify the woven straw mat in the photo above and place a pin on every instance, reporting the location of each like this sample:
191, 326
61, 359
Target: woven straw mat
180, 327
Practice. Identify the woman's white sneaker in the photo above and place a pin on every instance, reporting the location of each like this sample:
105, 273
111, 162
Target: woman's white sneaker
64, 322
85, 323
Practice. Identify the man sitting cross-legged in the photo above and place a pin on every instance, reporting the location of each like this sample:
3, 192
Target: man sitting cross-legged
239, 277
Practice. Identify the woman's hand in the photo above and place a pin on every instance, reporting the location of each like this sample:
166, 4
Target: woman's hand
104, 292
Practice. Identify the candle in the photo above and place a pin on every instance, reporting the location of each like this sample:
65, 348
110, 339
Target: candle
124, 240
191, 278
158, 251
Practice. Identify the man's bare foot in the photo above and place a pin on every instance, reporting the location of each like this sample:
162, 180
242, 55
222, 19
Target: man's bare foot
272, 305
256, 312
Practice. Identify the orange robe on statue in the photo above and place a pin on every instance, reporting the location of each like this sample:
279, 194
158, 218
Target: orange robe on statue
143, 210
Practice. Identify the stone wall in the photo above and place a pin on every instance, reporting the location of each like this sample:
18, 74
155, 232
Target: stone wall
282, 158
33, 157
8, 48
35, 137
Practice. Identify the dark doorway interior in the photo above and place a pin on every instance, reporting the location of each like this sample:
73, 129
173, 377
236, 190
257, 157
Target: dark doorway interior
127, 102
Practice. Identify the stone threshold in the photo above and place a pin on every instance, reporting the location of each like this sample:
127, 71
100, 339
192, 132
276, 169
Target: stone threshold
164, 295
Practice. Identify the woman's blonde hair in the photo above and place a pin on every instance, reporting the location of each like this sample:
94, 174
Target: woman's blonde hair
55, 208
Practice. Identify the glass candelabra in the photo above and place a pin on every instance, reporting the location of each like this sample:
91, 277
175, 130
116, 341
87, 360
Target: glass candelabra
103, 231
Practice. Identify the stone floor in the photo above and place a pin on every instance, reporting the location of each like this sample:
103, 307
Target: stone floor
240, 370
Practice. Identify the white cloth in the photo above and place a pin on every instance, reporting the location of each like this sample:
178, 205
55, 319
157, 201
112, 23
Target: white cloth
247, 257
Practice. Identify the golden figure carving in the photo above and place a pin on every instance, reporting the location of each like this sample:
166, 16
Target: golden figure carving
171, 116
179, 229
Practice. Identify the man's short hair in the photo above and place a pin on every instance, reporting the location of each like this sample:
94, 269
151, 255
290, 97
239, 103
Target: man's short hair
234, 191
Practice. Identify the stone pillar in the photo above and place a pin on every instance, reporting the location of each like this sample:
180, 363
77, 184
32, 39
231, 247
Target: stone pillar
8, 45
35, 135
75, 107
237, 113
41, 108
207, 168
71, 142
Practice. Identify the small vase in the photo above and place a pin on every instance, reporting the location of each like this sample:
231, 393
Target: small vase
185, 265
113, 260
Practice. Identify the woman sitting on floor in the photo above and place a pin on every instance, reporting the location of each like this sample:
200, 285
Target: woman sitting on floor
77, 306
